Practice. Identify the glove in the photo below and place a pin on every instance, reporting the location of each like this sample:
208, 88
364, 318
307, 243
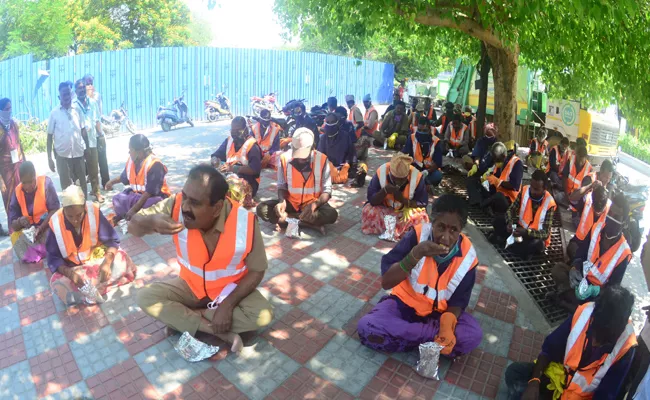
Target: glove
574, 277
392, 139
446, 334
473, 171
493, 180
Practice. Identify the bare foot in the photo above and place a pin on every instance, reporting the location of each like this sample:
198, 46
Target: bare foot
232, 338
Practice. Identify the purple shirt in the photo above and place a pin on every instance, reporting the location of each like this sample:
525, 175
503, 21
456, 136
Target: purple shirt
155, 179
425, 146
420, 195
107, 236
554, 348
51, 202
338, 149
463, 292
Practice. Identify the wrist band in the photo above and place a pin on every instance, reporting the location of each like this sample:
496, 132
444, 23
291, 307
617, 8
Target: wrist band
535, 380
401, 265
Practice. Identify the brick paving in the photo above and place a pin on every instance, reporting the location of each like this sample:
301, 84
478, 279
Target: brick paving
320, 287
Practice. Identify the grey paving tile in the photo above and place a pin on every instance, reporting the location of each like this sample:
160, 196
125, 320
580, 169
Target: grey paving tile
492, 280
165, 368
370, 260
120, 302
276, 266
10, 318
332, 306
98, 351
497, 334
381, 293
16, 382
7, 274
31, 284
149, 262
347, 363
156, 240
322, 265
258, 370
280, 307
75, 392
447, 391
43, 335
476, 291
356, 234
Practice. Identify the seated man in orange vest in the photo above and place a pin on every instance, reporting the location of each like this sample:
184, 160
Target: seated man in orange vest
397, 189
304, 186
145, 174
240, 154
32, 205
83, 252
370, 126
532, 212
426, 150
469, 119
443, 122
594, 347
537, 149
222, 260
355, 116
338, 146
267, 134
554, 167
602, 178
600, 260
457, 137
575, 170
593, 210
431, 272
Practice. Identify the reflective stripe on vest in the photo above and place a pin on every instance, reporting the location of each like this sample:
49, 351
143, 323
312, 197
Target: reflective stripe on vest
575, 179
505, 176
366, 118
418, 158
384, 170
536, 220
65, 240
457, 137
138, 181
587, 217
40, 202
240, 156
303, 191
604, 264
271, 132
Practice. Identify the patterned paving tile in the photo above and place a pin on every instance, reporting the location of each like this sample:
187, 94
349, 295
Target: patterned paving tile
348, 249
7, 255
322, 265
7, 274
24, 269
43, 335
358, 282
447, 391
293, 286
36, 307
75, 392
496, 334
289, 251
31, 284
481, 272
123, 381
166, 369
332, 306
396, 380
350, 327
81, 321
210, 385
16, 382
152, 267
98, 351
54, 370
476, 292
498, 305
120, 302
157, 240
280, 307
479, 372
341, 225
167, 252
355, 233
276, 266
12, 348
384, 246
138, 331
258, 370
299, 335
343, 357
7, 294
494, 281
134, 246
304, 384
526, 345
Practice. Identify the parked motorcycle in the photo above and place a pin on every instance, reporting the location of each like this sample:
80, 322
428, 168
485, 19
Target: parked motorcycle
267, 102
173, 114
290, 119
218, 109
636, 196
112, 123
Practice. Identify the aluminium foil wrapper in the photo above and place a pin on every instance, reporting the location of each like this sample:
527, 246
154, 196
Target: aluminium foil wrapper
91, 294
193, 350
293, 229
429, 362
390, 221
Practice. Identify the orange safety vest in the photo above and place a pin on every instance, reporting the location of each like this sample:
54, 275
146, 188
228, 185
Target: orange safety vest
587, 217
472, 127
604, 264
457, 137
430, 113
555, 149
351, 118
138, 181
539, 147
371, 129
211, 276
575, 179
266, 142
414, 180
240, 156
583, 382
418, 157
535, 222
301, 191
65, 240
505, 175
40, 202
425, 290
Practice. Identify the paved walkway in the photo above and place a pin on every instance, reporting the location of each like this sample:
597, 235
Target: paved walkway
320, 286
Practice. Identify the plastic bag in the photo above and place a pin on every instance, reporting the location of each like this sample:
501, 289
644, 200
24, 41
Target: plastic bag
123, 225
512, 239
193, 350
90, 293
293, 229
30, 233
450, 153
429, 361
390, 221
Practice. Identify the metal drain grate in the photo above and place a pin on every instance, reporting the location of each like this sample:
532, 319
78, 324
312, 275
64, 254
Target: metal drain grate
535, 274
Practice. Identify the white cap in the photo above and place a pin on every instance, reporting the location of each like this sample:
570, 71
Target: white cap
73, 196
302, 142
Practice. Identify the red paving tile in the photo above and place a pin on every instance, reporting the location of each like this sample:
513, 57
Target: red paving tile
479, 372
481, 272
304, 384
290, 250
138, 331
12, 348
384, 245
54, 370
497, 304
347, 248
24, 269
525, 345
7, 294
341, 225
210, 385
168, 253
6, 257
350, 328
168, 272
134, 246
293, 286
299, 335
358, 282
36, 307
123, 381
396, 380
79, 321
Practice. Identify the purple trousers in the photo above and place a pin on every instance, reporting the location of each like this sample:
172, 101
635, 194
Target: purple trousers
392, 326
122, 202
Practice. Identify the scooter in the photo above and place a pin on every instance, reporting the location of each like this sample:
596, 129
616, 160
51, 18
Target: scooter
174, 114
637, 196
112, 123
267, 102
218, 109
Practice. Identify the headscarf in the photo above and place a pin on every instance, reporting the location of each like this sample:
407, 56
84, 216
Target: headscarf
400, 165
5, 116
73, 196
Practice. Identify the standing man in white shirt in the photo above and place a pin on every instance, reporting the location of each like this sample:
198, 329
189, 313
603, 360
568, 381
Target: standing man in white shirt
87, 109
66, 133
92, 93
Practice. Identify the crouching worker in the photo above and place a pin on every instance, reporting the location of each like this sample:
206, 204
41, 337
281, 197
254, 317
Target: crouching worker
221, 254
396, 189
587, 357
32, 205
304, 186
431, 272
83, 248
426, 151
338, 146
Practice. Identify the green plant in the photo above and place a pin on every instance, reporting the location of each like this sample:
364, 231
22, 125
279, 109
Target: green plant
33, 136
635, 148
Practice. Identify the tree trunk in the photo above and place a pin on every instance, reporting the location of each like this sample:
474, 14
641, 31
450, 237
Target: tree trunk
484, 73
504, 71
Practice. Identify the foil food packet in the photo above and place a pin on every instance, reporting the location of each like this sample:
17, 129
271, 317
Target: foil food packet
390, 221
30, 233
123, 225
90, 293
429, 362
293, 229
193, 350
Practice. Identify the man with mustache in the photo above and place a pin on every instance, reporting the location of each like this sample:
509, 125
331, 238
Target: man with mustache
221, 254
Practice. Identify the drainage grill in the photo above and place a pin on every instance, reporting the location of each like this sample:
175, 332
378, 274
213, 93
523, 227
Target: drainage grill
535, 274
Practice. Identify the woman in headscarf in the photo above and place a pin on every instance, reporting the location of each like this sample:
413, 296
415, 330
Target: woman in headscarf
397, 189
11, 155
